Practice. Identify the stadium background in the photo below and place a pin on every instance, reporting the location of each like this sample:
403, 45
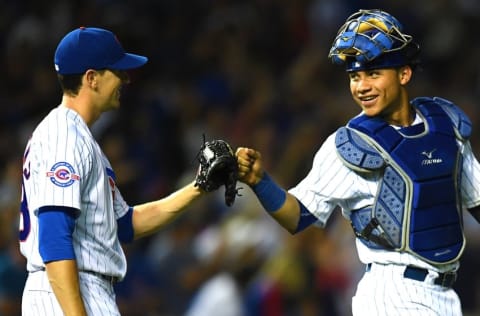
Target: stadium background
253, 72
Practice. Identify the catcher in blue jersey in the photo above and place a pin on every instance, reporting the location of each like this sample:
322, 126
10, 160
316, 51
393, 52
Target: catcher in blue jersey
402, 172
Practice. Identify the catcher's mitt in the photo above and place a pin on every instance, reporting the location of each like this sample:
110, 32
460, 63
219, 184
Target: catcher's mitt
218, 166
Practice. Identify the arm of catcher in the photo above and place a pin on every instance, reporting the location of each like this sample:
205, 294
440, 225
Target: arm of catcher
251, 172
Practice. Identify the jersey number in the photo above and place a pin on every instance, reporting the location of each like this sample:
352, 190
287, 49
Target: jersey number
24, 227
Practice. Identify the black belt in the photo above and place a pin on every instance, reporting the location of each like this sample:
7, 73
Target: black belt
110, 279
446, 279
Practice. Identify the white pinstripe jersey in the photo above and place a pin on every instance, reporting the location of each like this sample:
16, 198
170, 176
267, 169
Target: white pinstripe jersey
64, 166
330, 184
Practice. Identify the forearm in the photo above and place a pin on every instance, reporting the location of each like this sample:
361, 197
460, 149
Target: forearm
151, 216
63, 277
280, 204
288, 214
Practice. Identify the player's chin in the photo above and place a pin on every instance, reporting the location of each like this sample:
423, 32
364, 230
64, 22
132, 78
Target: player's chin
116, 96
371, 110
115, 104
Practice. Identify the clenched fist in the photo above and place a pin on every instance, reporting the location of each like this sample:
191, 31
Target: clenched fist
250, 168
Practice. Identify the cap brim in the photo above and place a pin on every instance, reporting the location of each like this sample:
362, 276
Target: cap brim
129, 61
392, 59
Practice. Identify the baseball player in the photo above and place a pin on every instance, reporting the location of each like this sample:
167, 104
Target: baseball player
73, 216
402, 172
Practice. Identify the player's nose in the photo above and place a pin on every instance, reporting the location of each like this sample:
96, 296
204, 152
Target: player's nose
363, 85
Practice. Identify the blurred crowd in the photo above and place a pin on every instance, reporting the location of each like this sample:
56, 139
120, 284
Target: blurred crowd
252, 72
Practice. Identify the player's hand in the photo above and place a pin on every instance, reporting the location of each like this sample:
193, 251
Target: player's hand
250, 168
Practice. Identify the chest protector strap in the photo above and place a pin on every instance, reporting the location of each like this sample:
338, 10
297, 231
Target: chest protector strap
418, 205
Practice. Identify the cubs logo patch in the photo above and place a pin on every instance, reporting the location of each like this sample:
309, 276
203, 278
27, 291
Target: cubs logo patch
111, 180
62, 174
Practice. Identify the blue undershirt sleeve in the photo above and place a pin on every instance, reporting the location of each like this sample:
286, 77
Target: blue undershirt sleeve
125, 231
55, 231
306, 218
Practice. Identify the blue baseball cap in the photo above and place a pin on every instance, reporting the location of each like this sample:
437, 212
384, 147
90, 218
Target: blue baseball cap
386, 60
93, 48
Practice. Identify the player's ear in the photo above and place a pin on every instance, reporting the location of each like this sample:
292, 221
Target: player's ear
90, 77
405, 74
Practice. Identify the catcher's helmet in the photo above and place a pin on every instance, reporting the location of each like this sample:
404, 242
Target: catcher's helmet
372, 39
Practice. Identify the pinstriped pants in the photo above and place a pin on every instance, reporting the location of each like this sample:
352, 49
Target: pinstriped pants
39, 300
385, 291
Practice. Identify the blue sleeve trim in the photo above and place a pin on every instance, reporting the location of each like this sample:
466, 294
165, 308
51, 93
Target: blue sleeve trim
306, 218
55, 231
125, 227
270, 195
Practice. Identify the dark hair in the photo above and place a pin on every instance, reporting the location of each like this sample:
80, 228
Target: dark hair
70, 84
412, 53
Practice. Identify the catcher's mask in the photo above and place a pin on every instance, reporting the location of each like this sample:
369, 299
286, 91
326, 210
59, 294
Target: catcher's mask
372, 39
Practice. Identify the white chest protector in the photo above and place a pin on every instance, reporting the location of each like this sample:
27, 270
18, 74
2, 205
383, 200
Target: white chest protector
418, 204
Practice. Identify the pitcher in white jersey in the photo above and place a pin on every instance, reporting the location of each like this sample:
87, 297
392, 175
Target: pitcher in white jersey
402, 172
73, 217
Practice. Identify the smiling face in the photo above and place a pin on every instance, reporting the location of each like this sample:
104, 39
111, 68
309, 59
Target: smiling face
382, 92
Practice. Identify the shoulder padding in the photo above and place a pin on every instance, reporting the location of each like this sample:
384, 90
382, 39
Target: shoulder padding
460, 120
356, 152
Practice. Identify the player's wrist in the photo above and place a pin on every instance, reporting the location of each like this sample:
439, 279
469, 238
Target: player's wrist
254, 180
269, 193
